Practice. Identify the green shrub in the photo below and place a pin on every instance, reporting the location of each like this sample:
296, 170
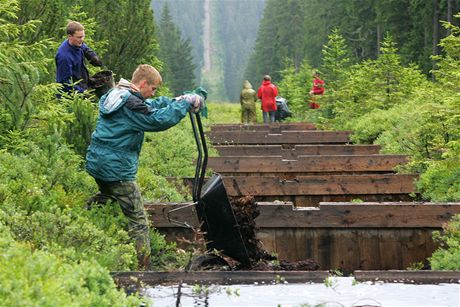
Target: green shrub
30, 277
447, 256
441, 180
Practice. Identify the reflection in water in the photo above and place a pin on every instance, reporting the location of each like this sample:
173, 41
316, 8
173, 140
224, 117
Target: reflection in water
341, 290
201, 301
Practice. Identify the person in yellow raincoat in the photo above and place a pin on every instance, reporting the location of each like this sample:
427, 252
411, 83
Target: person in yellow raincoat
248, 98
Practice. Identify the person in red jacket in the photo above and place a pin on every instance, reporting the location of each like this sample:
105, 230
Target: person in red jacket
317, 89
267, 93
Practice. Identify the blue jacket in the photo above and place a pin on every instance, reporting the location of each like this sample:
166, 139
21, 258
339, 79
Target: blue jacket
70, 65
113, 154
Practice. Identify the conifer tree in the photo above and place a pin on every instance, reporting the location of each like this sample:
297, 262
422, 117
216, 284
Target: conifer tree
22, 67
175, 52
336, 60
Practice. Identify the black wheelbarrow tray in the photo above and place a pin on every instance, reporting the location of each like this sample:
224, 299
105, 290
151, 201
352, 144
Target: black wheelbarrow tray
215, 214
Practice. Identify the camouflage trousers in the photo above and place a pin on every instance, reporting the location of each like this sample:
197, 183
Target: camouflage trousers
248, 114
128, 196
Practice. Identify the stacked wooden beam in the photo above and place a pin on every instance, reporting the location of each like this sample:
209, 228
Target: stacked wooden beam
345, 236
294, 162
320, 198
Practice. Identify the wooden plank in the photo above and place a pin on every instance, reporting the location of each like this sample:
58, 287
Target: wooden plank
286, 137
296, 150
390, 249
415, 239
268, 239
411, 277
126, 279
172, 215
306, 164
344, 251
284, 247
309, 200
300, 201
329, 215
331, 252
320, 185
311, 185
369, 255
264, 127
380, 215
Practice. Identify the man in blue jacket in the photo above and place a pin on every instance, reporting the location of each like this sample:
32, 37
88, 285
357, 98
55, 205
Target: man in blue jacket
112, 158
70, 59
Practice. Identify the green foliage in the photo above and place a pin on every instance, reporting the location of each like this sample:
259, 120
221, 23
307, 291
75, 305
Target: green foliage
130, 33
227, 113
42, 195
447, 257
82, 115
175, 52
31, 277
336, 60
295, 86
374, 85
280, 37
166, 255
440, 182
22, 66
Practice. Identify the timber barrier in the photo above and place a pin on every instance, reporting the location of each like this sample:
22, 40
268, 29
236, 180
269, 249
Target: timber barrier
343, 236
305, 166
320, 197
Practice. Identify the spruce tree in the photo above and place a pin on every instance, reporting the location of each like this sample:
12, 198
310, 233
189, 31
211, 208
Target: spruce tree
176, 53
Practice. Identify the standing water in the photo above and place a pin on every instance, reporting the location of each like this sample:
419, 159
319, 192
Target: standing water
336, 291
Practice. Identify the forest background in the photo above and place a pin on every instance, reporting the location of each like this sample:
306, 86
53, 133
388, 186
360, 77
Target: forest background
402, 96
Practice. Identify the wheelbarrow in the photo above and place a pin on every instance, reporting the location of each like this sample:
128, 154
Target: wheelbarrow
215, 214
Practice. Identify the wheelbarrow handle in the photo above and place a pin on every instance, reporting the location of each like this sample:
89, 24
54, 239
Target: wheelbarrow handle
202, 160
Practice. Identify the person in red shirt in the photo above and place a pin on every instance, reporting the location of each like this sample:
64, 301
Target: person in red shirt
267, 93
317, 89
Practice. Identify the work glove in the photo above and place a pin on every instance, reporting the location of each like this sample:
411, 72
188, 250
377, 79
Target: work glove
195, 100
95, 61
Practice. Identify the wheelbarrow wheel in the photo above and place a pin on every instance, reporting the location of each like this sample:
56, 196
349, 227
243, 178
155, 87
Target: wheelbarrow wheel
209, 262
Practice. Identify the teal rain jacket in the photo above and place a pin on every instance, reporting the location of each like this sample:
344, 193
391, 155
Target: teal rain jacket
113, 154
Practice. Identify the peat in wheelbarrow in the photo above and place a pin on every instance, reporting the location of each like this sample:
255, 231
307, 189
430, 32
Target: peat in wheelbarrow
101, 82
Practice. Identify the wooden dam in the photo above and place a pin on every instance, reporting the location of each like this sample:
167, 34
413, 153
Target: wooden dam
320, 197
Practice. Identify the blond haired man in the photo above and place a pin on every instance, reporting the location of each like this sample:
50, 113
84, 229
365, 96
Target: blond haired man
125, 113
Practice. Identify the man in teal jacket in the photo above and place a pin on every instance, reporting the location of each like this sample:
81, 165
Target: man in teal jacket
112, 158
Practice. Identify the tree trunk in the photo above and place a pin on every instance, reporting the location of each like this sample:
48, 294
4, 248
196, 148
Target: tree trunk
449, 14
435, 30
